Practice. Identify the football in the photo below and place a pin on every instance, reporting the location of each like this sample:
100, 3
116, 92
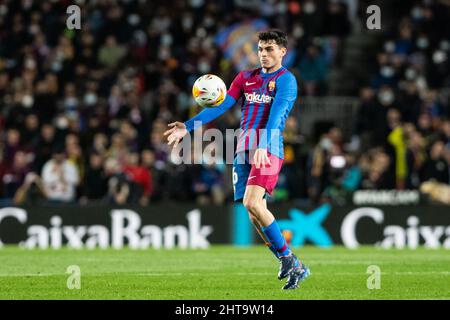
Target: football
209, 91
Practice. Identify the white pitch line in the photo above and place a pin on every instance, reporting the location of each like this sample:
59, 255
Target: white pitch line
30, 274
179, 274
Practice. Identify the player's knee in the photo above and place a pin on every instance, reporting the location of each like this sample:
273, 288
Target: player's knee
248, 205
252, 206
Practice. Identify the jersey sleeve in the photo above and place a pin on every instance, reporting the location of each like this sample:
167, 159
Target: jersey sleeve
282, 104
235, 89
207, 115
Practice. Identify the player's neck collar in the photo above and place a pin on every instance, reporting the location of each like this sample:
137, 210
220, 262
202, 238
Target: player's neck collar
264, 74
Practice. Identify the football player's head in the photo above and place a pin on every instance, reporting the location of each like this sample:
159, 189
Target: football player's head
272, 47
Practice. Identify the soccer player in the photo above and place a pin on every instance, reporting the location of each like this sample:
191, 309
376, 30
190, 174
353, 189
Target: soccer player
269, 93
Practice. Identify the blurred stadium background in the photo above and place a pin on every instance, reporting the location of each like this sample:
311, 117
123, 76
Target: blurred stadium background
367, 145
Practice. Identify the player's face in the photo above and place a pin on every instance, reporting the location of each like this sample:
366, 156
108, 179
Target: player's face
270, 54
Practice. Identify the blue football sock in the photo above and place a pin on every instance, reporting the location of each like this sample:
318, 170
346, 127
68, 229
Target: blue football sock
274, 251
274, 235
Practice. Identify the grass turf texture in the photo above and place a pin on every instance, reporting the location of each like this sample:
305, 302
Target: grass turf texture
221, 272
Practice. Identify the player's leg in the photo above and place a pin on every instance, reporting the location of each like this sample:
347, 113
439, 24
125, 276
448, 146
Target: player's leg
258, 227
268, 244
241, 170
260, 182
257, 207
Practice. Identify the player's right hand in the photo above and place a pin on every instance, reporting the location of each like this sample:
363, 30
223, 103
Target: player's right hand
176, 133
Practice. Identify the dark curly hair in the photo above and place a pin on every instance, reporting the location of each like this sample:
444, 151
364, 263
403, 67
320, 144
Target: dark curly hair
279, 36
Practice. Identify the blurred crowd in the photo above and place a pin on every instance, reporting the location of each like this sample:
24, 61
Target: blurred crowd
82, 112
401, 135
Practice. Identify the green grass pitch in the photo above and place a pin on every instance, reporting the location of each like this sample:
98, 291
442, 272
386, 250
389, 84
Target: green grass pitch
222, 272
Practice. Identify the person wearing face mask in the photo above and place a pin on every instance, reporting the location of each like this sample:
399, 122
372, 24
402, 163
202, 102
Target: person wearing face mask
409, 102
385, 102
90, 99
311, 18
387, 76
422, 42
386, 96
27, 101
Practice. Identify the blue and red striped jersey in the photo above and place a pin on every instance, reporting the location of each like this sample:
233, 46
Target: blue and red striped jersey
267, 100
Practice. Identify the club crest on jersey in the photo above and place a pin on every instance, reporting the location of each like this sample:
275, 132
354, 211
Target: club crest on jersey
271, 85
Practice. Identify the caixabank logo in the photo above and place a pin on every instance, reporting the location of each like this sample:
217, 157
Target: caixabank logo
388, 227
304, 227
158, 228
409, 231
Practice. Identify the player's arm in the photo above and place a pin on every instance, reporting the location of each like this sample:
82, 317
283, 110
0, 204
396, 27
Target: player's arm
179, 129
209, 114
283, 101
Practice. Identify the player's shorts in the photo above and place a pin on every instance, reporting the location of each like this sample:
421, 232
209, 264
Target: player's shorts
245, 174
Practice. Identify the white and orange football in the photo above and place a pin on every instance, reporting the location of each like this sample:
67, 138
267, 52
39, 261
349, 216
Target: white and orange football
209, 91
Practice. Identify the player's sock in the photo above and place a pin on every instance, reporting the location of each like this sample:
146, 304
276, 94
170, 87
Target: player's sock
274, 251
274, 235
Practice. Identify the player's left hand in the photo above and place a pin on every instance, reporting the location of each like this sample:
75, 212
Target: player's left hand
261, 159
176, 133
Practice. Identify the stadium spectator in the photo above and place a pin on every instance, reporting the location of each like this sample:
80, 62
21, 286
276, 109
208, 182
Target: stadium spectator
14, 174
44, 146
207, 183
30, 132
99, 144
415, 157
375, 168
317, 168
116, 83
158, 175
347, 179
139, 175
436, 167
31, 192
94, 183
118, 149
60, 178
313, 69
74, 153
336, 20
294, 161
111, 52
364, 126
121, 189
11, 146
397, 146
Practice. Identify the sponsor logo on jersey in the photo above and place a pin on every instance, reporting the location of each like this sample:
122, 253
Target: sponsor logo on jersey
258, 98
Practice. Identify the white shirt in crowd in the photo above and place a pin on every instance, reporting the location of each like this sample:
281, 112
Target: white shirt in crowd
60, 182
